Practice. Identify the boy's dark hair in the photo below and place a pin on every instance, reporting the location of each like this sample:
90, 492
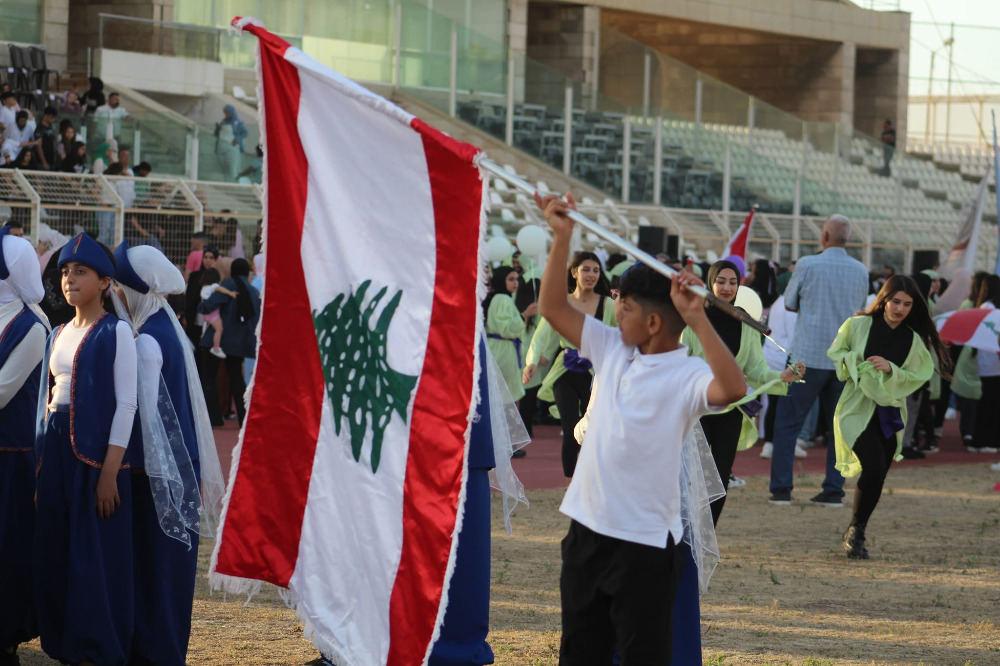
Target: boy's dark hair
5, 94
50, 111
651, 290
201, 235
14, 224
143, 166
21, 114
210, 276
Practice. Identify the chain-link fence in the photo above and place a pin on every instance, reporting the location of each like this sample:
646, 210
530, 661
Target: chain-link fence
162, 212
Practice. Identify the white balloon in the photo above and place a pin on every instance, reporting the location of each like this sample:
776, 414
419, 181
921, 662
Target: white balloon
498, 248
748, 299
531, 240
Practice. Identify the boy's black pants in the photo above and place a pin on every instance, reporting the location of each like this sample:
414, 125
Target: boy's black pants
616, 594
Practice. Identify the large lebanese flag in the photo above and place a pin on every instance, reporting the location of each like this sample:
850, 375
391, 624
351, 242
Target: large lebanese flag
348, 481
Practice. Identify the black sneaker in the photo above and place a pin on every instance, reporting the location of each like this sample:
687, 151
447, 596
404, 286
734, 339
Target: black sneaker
781, 498
520, 453
854, 543
832, 500
930, 447
911, 453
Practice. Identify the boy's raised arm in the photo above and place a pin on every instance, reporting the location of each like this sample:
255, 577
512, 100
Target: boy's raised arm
729, 384
553, 301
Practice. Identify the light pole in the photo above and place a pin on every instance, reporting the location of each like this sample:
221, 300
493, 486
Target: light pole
931, 107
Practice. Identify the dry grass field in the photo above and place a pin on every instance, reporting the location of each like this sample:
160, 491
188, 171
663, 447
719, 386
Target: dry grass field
783, 594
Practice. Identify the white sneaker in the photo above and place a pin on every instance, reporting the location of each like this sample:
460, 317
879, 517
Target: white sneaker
995, 467
217, 352
938, 432
804, 444
981, 449
800, 452
767, 450
736, 482
950, 414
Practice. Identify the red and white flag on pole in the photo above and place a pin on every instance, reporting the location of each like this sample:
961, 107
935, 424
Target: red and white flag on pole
348, 480
738, 243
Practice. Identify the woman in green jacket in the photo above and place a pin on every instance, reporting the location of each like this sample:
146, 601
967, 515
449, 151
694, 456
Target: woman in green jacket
505, 326
569, 379
882, 356
733, 429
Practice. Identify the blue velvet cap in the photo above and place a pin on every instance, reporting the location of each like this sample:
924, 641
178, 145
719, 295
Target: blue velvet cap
124, 273
4, 271
87, 251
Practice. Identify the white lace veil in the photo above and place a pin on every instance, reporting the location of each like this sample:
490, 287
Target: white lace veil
509, 435
163, 278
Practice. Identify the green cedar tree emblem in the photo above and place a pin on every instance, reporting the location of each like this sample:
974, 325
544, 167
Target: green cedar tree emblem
362, 387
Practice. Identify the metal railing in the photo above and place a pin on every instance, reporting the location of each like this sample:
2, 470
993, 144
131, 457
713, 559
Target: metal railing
162, 212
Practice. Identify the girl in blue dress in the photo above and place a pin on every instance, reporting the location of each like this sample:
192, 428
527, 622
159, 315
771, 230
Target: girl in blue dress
83, 535
180, 456
22, 344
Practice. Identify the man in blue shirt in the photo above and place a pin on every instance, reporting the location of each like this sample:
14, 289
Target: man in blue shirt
826, 289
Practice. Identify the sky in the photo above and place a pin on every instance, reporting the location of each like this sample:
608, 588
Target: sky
976, 52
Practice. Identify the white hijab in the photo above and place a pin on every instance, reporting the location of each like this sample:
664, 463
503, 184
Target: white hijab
164, 278
25, 280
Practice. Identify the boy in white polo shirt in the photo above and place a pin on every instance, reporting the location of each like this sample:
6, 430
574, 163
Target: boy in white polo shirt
620, 561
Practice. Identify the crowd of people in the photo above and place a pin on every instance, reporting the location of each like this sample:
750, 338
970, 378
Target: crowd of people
854, 362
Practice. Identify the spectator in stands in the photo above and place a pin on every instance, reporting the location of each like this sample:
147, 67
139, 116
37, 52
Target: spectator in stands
67, 137
94, 97
8, 115
9, 150
255, 170
25, 160
70, 105
230, 134
143, 169
45, 136
112, 114
825, 289
105, 158
888, 145
16, 228
24, 130
76, 160
125, 159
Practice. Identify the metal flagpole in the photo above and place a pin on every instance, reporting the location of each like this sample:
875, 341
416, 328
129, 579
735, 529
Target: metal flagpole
628, 247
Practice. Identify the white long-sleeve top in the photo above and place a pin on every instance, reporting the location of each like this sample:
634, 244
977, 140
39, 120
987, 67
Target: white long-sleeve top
23, 359
782, 324
125, 376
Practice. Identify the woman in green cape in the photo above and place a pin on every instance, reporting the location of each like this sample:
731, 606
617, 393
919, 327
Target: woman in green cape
882, 356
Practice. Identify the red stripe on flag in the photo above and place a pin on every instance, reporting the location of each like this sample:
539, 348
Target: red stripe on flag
961, 326
263, 524
435, 460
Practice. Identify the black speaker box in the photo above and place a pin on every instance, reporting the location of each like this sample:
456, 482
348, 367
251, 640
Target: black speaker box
655, 240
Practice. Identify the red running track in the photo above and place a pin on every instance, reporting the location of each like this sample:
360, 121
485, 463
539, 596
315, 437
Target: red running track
542, 467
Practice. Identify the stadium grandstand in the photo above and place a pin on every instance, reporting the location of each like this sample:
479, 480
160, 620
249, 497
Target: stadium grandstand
681, 115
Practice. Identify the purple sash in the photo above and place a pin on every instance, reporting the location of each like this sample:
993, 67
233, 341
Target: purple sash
516, 341
573, 361
890, 419
752, 407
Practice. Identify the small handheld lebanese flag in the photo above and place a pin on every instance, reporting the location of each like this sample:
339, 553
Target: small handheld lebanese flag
349, 477
738, 243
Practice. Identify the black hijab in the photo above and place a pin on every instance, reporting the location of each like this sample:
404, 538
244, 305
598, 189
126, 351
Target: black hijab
729, 328
240, 268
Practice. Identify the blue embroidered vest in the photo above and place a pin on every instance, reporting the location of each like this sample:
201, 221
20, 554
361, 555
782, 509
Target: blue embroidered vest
17, 429
92, 392
174, 372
